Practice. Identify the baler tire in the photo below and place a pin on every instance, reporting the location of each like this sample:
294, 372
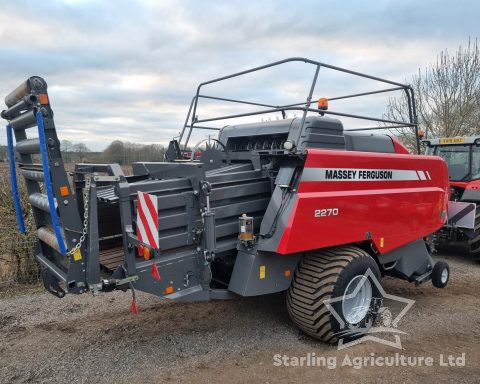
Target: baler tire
325, 274
440, 274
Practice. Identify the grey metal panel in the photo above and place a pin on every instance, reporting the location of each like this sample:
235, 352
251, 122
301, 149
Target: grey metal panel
170, 201
255, 129
174, 241
172, 221
164, 186
471, 195
237, 176
173, 201
246, 281
368, 142
225, 245
109, 220
319, 132
257, 187
227, 229
315, 140
168, 170
243, 191
172, 270
93, 249
412, 258
230, 168
238, 209
274, 224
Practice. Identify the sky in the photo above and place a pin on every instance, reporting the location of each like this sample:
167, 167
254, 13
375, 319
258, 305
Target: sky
127, 70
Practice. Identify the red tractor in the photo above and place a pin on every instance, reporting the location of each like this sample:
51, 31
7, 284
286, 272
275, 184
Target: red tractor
462, 155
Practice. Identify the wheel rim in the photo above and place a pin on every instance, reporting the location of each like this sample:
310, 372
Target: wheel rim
444, 276
356, 299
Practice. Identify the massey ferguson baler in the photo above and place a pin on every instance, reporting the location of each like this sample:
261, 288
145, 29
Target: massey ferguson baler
297, 205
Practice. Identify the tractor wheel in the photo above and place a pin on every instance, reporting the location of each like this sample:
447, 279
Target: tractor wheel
474, 244
338, 275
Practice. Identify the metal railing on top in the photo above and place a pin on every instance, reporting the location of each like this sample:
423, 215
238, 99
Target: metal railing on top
191, 121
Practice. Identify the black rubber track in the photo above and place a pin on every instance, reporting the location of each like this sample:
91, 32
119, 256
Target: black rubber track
314, 282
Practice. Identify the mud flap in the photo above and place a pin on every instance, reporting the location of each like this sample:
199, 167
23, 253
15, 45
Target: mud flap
412, 262
260, 273
51, 284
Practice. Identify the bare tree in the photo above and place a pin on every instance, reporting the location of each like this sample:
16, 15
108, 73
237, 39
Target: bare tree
447, 96
66, 148
80, 149
127, 153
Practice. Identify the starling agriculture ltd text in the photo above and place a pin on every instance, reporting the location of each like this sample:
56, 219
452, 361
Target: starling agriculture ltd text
372, 360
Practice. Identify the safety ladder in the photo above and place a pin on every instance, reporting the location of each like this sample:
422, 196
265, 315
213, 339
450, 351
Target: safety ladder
55, 208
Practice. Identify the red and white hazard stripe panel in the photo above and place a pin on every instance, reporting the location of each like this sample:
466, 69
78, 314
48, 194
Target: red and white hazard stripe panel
147, 219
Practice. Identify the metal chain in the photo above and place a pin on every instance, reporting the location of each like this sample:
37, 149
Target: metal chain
86, 195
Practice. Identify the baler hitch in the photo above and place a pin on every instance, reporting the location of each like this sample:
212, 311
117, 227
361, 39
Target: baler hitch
51, 284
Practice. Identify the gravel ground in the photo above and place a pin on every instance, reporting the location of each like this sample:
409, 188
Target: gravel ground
86, 339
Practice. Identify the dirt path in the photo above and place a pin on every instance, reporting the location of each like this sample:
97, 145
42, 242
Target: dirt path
85, 339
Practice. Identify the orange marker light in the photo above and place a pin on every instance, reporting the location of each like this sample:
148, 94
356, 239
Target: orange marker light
287, 273
64, 191
323, 103
43, 98
146, 253
140, 250
169, 290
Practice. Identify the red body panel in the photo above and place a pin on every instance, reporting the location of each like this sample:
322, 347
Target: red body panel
475, 184
393, 212
398, 146
459, 184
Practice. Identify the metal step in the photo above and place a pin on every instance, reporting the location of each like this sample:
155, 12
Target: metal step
40, 201
47, 235
33, 174
28, 146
